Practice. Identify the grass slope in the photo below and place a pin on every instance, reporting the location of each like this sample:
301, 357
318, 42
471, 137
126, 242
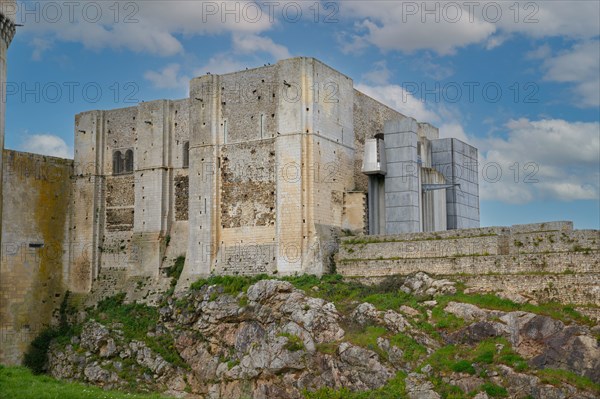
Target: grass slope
20, 383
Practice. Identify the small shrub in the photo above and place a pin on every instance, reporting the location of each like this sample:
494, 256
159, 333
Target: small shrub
231, 284
557, 377
294, 342
463, 366
329, 348
495, 391
36, 357
486, 356
411, 348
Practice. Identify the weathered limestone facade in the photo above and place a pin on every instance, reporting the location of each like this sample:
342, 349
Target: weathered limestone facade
35, 247
257, 172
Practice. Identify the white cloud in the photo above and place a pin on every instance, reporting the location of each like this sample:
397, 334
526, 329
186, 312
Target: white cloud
540, 53
219, 64
47, 144
40, 46
251, 43
428, 67
540, 160
247, 52
408, 26
397, 97
389, 26
168, 78
579, 65
574, 19
453, 130
379, 75
141, 26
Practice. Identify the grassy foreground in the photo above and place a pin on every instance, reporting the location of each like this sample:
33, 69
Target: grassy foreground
20, 383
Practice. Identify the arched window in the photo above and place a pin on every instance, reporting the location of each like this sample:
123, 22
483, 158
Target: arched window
117, 163
186, 154
129, 161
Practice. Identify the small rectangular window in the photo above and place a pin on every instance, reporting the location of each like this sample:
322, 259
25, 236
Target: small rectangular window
186, 154
262, 125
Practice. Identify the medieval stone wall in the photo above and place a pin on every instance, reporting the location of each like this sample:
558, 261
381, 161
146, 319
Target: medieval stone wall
35, 248
548, 261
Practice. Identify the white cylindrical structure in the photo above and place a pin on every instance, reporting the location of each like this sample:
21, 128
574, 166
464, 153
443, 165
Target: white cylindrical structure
374, 160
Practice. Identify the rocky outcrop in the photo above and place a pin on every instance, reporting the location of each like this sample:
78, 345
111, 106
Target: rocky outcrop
263, 345
545, 342
420, 284
275, 341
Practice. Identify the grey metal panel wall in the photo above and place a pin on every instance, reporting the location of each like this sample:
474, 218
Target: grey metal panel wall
457, 161
402, 186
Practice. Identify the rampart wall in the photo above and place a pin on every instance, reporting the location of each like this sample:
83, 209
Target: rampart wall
547, 261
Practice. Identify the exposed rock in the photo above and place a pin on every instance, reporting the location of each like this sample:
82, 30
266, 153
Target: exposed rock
366, 314
513, 296
544, 341
409, 311
276, 342
420, 284
418, 387
465, 311
466, 382
521, 385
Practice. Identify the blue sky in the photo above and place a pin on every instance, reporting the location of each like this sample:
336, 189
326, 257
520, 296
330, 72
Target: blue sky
519, 80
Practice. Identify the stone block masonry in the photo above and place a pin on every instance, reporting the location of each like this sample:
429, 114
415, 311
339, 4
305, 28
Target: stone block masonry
35, 248
547, 261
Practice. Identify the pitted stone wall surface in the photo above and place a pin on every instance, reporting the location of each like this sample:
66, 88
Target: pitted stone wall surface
248, 101
248, 184
575, 288
120, 191
246, 259
119, 219
182, 193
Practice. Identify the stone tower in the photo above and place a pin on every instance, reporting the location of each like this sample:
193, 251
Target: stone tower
8, 9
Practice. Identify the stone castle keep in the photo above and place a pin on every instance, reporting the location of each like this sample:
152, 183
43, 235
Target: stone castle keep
258, 171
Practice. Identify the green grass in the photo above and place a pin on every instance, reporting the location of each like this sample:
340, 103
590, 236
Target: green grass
394, 389
558, 376
294, 343
485, 353
565, 313
137, 320
463, 366
493, 390
332, 288
366, 337
329, 348
231, 284
175, 271
20, 383
411, 348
